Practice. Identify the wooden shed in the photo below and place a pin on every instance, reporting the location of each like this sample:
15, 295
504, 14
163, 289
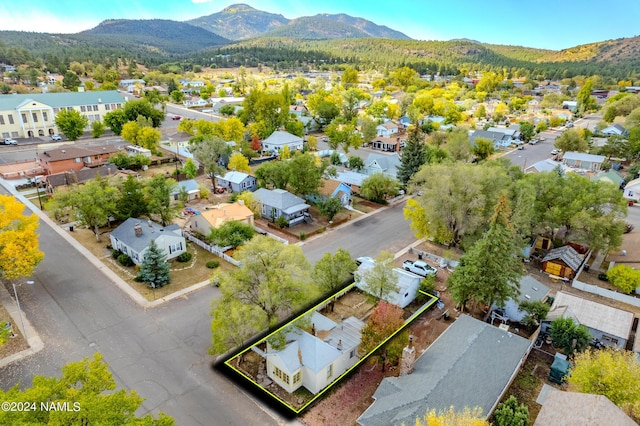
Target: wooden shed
562, 262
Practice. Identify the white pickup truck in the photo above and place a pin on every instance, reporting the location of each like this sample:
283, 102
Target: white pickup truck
419, 268
10, 142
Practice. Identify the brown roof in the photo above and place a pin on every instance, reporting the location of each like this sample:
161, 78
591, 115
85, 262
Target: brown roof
225, 212
81, 176
68, 152
329, 186
390, 141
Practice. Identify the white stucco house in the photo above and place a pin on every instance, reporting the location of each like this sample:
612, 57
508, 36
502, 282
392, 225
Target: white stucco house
387, 129
279, 139
134, 236
314, 359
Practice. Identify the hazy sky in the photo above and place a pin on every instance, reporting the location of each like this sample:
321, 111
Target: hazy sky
543, 23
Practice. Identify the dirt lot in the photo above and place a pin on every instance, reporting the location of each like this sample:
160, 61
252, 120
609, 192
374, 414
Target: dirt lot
14, 344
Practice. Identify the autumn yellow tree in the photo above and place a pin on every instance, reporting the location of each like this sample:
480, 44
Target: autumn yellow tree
450, 417
239, 163
19, 248
611, 373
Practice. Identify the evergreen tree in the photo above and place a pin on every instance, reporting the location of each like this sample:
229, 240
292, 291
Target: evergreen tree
413, 156
154, 269
132, 203
510, 413
490, 271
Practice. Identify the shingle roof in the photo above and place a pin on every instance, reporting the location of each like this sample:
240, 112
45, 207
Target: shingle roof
352, 178
63, 99
226, 212
388, 163
546, 165
282, 138
67, 152
235, 177
532, 288
581, 156
567, 254
469, 365
578, 409
278, 198
189, 186
597, 316
80, 176
150, 231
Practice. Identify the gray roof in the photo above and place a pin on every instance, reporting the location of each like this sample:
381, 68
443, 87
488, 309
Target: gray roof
278, 198
546, 165
234, 177
150, 231
532, 290
492, 136
65, 99
282, 138
567, 254
80, 176
388, 163
188, 185
581, 156
351, 178
578, 409
469, 365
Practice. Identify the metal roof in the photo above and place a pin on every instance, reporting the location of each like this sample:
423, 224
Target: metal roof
63, 99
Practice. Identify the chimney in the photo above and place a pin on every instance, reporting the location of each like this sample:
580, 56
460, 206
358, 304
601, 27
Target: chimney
150, 224
138, 229
408, 358
339, 344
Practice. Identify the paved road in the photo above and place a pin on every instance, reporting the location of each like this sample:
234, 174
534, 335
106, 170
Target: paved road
385, 230
161, 352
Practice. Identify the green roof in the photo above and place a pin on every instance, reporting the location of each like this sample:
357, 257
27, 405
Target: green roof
66, 99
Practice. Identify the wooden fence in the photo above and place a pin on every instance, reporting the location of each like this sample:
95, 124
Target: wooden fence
213, 249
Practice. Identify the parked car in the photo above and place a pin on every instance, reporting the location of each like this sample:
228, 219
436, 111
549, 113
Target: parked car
555, 151
419, 267
363, 259
176, 117
56, 137
520, 147
10, 142
534, 141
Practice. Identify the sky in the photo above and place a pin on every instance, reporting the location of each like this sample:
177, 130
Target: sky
542, 24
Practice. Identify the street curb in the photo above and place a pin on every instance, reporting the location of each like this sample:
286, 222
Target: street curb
115, 278
34, 341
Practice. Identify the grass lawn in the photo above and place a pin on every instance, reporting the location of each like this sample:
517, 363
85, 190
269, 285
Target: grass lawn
183, 275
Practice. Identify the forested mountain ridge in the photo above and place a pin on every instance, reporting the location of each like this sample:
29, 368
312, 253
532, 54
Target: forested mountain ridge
373, 30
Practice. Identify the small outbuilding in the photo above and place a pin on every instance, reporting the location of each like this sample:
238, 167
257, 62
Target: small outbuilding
562, 262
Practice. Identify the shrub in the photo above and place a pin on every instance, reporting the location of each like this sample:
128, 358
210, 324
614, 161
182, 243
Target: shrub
184, 257
281, 221
115, 254
302, 236
125, 260
212, 264
624, 277
5, 332
603, 277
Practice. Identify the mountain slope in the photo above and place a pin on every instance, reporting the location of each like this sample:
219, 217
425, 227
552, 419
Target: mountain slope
172, 36
316, 28
370, 28
239, 21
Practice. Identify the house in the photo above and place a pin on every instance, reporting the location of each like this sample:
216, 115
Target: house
298, 110
614, 129
531, 290
547, 165
512, 132
189, 187
81, 176
499, 139
562, 262
387, 129
387, 144
279, 139
570, 105
332, 188
237, 181
577, 409
353, 179
195, 102
134, 236
611, 326
611, 177
216, 216
632, 190
580, 160
382, 163
407, 284
70, 157
315, 358
34, 114
471, 364
124, 84
278, 202
405, 121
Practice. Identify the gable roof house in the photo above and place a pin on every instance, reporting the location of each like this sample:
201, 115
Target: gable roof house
471, 364
562, 262
216, 216
195, 101
134, 236
581, 160
546, 165
632, 190
407, 284
611, 326
389, 144
614, 129
190, 187
498, 138
81, 176
332, 189
278, 139
382, 163
387, 129
611, 176
314, 360
577, 409
237, 181
278, 202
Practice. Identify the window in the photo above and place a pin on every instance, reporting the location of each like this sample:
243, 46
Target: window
24, 117
5, 135
281, 374
1, 119
95, 107
83, 108
69, 108
44, 116
14, 134
77, 160
10, 118
329, 371
352, 353
55, 110
107, 107
175, 247
35, 117
297, 377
